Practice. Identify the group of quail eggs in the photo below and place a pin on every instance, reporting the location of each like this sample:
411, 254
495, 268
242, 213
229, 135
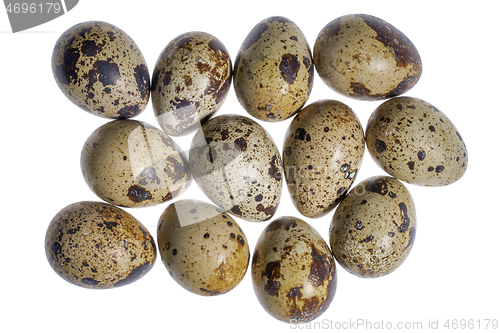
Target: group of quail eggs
237, 165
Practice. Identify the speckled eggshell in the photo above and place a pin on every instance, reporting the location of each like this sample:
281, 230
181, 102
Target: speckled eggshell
374, 227
99, 246
364, 57
101, 69
203, 248
415, 142
293, 271
132, 164
273, 71
322, 154
190, 82
236, 163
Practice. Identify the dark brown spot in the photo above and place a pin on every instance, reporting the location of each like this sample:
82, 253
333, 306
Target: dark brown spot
137, 194
217, 46
148, 175
400, 46
274, 170
411, 165
107, 72
289, 68
90, 48
182, 42
359, 89
236, 210
439, 168
67, 72
368, 239
135, 274
90, 281
430, 169
421, 155
272, 272
406, 220
167, 78
341, 190
295, 292
224, 134
266, 210
326, 129
412, 234
240, 240
211, 154
141, 75
294, 38
281, 223
209, 292
431, 128
288, 151
254, 35
300, 134
240, 144
175, 170
358, 225
202, 68
377, 186
259, 197
380, 146
320, 268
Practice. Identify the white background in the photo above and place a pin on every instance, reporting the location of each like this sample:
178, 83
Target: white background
451, 272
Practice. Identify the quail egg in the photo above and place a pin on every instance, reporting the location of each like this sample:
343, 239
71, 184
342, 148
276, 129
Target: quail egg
99, 246
101, 70
203, 248
373, 229
190, 82
237, 165
293, 271
132, 164
365, 57
322, 154
273, 71
415, 142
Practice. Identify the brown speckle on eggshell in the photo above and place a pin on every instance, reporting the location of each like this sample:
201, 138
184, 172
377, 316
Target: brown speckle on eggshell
99, 246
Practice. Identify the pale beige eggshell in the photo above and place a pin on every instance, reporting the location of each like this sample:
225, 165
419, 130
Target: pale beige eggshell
273, 71
203, 248
190, 82
322, 153
133, 164
293, 271
415, 142
373, 229
365, 57
236, 163
98, 246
